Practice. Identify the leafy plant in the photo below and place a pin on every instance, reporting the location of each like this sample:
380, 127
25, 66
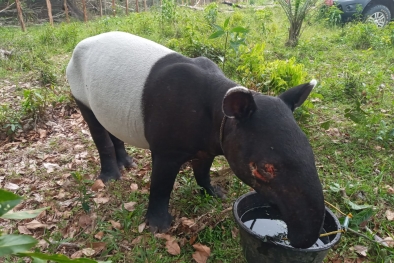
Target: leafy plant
356, 114
284, 75
331, 15
10, 120
252, 69
362, 35
84, 196
168, 10
18, 245
34, 101
234, 37
211, 13
265, 17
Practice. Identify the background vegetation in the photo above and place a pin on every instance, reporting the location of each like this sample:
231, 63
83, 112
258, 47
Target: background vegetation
348, 119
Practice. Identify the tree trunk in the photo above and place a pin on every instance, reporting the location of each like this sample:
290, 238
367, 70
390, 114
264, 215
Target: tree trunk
85, 15
20, 15
127, 7
294, 33
101, 8
145, 7
49, 7
113, 8
66, 11
136, 6
74, 10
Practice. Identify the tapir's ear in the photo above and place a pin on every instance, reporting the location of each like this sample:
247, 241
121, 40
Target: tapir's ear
294, 97
238, 103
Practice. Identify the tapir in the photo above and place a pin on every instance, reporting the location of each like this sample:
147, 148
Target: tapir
135, 91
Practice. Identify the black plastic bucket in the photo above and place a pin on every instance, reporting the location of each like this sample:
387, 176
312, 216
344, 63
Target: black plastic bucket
258, 249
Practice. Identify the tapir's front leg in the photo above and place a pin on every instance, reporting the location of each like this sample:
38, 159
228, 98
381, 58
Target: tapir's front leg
165, 168
201, 169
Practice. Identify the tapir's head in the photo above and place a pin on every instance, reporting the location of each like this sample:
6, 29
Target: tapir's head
268, 151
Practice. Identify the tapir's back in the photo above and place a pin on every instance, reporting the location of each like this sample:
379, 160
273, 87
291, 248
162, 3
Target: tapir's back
107, 73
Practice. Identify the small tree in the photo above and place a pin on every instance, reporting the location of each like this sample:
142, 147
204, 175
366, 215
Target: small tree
296, 12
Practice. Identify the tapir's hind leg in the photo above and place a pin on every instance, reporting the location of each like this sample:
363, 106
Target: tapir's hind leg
123, 159
105, 147
201, 167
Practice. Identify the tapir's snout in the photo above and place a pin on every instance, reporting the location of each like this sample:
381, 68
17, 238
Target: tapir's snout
299, 199
304, 216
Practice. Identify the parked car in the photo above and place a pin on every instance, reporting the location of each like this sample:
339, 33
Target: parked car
378, 11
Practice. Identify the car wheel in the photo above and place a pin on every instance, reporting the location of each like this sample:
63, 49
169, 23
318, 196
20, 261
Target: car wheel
378, 14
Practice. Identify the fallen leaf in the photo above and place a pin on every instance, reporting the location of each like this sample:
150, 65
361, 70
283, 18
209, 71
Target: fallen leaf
11, 186
389, 215
99, 235
77, 254
163, 236
43, 244
88, 252
171, 244
173, 247
390, 190
192, 239
187, 222
130, 206
101, 200
115, 224
234, 232
85, 221
98, 185
361, 250
35, 224
141, 227
98, 247
389, 241
136, 240
51, 167
133, 187
24, 230
202, 253
43, 133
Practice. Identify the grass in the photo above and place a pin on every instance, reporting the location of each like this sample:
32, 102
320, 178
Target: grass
354, 160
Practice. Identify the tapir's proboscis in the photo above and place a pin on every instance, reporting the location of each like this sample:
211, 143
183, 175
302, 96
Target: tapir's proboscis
132, 90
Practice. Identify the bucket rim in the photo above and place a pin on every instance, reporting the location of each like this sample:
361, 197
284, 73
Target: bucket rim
242, 225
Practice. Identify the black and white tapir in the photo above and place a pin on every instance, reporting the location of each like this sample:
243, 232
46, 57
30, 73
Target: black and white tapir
130, 89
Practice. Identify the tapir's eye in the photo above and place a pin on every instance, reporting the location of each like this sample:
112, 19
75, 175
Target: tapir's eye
253, 165
265, 173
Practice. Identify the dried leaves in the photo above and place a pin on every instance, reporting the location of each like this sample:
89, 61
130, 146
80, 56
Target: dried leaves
361, 250
172, 245
389, 215
202, 253
98, 185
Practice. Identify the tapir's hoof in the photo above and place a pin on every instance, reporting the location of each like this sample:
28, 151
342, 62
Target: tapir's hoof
159, 224
127, 163
215, 191
106, 177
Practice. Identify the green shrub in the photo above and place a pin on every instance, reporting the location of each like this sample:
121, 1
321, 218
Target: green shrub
10, 120
47, 36
68, 35
168, 10
284, 75
331, 15
264, 16
272, 77
211, 13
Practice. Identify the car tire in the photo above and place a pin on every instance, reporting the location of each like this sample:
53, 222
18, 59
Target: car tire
378, 14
